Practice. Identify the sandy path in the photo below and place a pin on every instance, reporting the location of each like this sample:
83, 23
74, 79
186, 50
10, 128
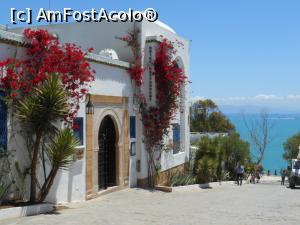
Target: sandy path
259, 204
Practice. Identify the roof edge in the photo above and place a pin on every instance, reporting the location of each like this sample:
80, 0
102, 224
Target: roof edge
18, 39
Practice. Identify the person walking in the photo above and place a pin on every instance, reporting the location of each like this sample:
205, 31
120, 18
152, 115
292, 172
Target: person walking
257, 177
240, 173
252, 179
283, 175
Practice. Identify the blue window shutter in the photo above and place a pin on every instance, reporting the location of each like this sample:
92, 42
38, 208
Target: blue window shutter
132, 127
176, 138
3, 123
78, 132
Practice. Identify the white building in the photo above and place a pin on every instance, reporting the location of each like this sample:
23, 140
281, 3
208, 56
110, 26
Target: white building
114, 113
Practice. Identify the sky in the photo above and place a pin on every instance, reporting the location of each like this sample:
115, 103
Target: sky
243, 52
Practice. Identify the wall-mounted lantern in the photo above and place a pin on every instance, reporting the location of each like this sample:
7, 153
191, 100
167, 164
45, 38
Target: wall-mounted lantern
89, 106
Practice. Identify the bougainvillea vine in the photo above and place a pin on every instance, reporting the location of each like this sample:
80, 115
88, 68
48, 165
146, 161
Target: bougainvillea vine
169, 80
45, 56
136, 70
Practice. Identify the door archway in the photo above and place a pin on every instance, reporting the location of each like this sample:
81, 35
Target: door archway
107, 153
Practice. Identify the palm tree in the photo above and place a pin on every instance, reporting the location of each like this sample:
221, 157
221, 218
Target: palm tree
37, 112
59, 152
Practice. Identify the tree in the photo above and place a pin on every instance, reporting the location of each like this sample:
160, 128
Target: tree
37, 113
235, 151
291, 147
220, 153
206, 117
60, 152
260, 134
219, 123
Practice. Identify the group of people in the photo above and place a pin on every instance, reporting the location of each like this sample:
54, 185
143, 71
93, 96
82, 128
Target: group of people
240, 173
254, 177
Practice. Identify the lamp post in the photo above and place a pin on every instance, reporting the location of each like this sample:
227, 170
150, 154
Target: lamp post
89, 106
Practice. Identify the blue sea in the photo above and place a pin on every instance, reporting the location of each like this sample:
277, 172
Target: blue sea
284, 126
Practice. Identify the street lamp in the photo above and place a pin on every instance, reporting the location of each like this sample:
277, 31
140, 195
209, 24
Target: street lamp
89, 106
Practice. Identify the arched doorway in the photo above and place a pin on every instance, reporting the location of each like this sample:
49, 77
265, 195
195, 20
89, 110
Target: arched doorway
107, 153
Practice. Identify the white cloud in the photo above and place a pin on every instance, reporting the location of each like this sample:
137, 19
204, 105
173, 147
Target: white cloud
267, 97
293, 97
196, 98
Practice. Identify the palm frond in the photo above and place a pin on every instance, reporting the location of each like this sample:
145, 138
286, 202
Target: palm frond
62, 148
44, 105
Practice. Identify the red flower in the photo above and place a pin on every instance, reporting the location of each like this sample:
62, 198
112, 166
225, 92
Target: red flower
45, 56
169, 82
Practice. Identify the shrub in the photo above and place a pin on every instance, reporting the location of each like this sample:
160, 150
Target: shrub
4, 190
216, 158
206, 170
181, 179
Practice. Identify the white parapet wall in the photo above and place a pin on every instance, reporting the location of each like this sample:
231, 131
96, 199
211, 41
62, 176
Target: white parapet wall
25, 211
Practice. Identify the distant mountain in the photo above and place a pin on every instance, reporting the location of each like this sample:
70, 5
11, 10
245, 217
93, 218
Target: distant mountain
228, 109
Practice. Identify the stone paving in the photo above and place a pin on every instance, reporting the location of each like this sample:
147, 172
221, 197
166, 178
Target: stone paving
226, 204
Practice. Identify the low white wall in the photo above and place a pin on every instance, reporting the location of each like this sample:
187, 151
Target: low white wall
170, 160
25, 211
195, 136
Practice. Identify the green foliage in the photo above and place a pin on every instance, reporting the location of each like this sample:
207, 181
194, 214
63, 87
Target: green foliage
37, 113
215, 153
62, 148
5, 183
22, 174
206, 117
235, 151
181, 179
43, 106
60, 152
4, 190
291, 147
206, 169
2, 153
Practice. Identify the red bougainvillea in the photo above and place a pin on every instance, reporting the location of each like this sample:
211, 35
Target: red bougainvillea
44, 56
136, 74
169, 81
135, 71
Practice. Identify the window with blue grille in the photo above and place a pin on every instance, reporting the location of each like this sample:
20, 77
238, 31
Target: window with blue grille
78, 129
132, 127
176, 138
3, 123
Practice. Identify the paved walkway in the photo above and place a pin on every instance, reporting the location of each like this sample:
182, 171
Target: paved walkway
259, 204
